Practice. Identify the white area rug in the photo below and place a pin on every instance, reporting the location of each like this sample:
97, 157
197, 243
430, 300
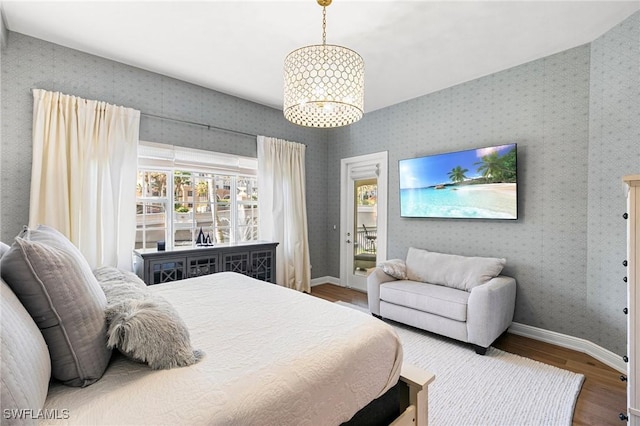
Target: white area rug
498, 388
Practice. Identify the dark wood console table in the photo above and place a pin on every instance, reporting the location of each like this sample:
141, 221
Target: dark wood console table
256, 259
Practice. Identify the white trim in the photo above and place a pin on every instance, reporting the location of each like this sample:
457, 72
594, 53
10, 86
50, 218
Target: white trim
154, 155
361, 163
575, 343
326, 280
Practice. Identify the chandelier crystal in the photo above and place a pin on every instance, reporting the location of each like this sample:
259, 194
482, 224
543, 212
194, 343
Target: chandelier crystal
323, 84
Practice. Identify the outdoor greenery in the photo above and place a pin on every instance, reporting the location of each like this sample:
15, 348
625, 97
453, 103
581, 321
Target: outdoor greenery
200, 200
493, 168
457, 174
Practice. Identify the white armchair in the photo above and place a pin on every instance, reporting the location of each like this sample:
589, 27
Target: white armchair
460, 297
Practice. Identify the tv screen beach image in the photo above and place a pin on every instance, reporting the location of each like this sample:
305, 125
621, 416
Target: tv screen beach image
473, 184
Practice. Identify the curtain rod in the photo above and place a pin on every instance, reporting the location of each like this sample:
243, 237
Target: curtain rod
194, 123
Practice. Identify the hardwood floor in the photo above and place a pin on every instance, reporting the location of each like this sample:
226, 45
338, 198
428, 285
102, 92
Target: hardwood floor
603, 395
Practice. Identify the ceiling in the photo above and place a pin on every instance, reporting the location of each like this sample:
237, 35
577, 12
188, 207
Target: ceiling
410, 48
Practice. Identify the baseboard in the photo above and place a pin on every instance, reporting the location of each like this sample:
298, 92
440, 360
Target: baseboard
326, 280
334, 281
563, 340
575, 343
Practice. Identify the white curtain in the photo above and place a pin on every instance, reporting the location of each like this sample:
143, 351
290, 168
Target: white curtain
83, 175
282, 209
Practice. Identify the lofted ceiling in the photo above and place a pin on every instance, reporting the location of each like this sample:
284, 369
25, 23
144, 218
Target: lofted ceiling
410, 48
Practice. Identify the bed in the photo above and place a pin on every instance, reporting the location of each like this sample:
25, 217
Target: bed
273, 356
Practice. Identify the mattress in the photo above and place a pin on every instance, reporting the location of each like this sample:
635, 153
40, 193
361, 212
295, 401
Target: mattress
274, 356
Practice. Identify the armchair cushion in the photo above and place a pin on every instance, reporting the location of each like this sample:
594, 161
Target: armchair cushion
460, 272
435, 299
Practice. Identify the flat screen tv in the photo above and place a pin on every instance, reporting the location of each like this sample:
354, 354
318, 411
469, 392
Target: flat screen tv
473, 184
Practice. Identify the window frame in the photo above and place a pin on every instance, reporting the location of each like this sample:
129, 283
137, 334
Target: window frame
206, 166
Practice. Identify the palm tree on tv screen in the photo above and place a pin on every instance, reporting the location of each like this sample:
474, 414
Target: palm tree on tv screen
498, 169
457, 174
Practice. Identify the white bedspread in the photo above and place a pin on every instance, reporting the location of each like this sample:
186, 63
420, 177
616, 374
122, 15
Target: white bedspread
273, 357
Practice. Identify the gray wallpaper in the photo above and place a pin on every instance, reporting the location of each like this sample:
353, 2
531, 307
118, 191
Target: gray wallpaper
614, 151
566, 248
574, 115
32, 63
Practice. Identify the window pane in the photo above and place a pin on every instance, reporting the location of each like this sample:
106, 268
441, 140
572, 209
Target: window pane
139, 239
223, 234
223, 222
150, 214
182, 191
247, 208
150, 224
247, 221
203, 209
247, 188
182, 238
222, 187
205, 219
247, 233
152, 184
149, 237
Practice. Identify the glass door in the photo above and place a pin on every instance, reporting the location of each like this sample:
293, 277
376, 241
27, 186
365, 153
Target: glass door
363, 210
365, 225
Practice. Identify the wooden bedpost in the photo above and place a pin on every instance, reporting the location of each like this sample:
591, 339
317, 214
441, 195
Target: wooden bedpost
416, 408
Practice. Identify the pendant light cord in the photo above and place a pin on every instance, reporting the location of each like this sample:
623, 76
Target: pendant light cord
324, 25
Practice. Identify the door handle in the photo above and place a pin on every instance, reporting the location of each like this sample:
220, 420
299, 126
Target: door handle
348, 241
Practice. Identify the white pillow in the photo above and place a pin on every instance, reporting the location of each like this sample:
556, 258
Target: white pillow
25, 370
451, 270
3, 249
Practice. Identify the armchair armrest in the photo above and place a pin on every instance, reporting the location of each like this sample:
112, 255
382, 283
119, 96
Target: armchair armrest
490, 310
375, 278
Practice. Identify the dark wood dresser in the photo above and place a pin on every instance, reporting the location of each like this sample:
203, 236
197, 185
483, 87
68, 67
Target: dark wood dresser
256, 259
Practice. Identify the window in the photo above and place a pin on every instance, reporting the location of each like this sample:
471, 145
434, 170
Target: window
184, 194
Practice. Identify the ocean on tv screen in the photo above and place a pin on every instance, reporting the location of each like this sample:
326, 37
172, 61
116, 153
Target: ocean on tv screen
482, 201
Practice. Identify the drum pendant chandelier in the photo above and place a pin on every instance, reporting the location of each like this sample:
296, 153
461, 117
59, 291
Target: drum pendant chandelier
323, 84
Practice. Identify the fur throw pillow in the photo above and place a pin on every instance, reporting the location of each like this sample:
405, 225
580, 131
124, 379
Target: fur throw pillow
394, 267
144, 326
150, 330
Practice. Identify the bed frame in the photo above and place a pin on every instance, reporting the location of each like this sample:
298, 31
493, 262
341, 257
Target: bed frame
405, 404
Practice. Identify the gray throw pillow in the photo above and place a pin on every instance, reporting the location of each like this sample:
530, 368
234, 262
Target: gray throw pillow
56, 286
3, 249
394, 267
119, 285
110, 273
25, 370
151, 331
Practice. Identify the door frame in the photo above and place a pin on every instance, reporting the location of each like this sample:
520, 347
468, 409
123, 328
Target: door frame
379, 160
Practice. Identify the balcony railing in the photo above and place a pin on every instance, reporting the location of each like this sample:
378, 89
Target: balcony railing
366, 239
